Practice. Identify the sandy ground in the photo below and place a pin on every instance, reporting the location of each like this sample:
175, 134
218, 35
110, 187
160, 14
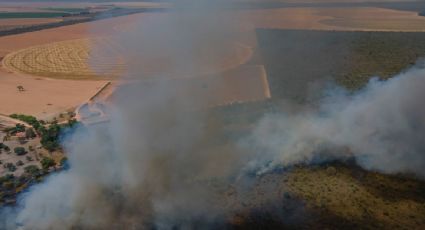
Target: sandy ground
11, 157
27, 21
42, 98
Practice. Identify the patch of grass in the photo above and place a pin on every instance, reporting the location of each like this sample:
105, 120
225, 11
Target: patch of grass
299, 62
360, 196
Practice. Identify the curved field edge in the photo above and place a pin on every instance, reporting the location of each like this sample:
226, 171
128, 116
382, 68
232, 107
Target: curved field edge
67, 66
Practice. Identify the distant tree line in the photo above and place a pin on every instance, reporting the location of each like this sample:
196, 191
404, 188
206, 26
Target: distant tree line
116, 12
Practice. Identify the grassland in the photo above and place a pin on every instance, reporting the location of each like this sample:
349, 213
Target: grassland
300, 62
333, 196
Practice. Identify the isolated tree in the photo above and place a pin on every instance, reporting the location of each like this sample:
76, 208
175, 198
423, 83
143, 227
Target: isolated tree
20, 151
20, 88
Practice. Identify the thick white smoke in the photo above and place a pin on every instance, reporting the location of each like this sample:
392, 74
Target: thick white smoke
382, 127
149, 166
143, 168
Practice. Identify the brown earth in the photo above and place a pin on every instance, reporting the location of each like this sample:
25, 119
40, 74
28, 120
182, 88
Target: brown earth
42, 97
62, 95
26, 21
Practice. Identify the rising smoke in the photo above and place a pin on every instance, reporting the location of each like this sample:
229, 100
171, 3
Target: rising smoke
149, 166
382, 127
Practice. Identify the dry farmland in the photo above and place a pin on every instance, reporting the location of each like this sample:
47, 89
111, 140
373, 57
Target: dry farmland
100, 58
66, 60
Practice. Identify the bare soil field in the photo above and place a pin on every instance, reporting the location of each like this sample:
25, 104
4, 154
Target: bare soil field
67, 60
244, 84
27, 21
43, 98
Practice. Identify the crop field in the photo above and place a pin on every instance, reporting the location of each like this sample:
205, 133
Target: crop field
101, 58
73, 59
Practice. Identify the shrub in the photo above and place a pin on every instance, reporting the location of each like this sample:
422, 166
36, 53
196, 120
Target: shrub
18, 128
50, 137
28, 119
32, 169
11, 167
20, 151
29, 133
47, 162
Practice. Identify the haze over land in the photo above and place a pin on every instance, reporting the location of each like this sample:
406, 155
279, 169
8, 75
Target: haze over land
205, 129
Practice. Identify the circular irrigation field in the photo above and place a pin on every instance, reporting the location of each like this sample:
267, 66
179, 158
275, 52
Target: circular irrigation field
103, 58
74, 59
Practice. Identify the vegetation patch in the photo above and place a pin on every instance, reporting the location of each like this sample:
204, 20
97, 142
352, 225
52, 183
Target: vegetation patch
32, 15
299, 62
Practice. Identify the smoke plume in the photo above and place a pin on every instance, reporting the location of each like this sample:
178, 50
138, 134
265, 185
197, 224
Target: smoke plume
149, 167
382, 127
